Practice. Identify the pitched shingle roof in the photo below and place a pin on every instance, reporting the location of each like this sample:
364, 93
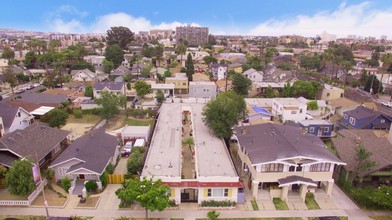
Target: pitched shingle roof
347, 142
270, 142
7, 112
94, 149
43, 99
110, 85
35, 140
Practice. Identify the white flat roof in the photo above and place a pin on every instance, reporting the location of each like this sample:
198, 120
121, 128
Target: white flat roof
315, 122
164, 156
42, 110
162, 86
259, 102
135, 130
201, 83
139, 143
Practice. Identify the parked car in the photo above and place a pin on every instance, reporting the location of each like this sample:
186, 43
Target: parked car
30, 87
126, 151
387, 104
19, 91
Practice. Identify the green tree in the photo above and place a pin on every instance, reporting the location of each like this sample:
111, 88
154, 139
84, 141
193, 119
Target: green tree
107, 66
269, 92
82, 65
10, 78
209, 59
387, 66
241, 84
310, 62
223, 112
66, 183
150, 194
158, 53
8, 54
57, 117
382, 196
142, 88
135, 162
312, 105
145, 71
167, 73
190, 69
181, 50
19, 178
30, 60
89, 91
188, 141
160, 97
288, 91
364, 164
121, 36
110, 103
115, 54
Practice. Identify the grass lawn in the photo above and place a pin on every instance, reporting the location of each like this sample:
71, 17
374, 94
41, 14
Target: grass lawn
330, 148
53, 198
140, 122
386, 217
91, 202
311, 202
6, 195
27, 217
254, 205
279, 204
85, 119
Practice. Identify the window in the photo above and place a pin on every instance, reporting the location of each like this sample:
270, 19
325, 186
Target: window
184, 84
273, 167
217, 192
326, 129
321, 167
382, 121
18, 114
311, 129
345, 116
352, 121
226, 193
293, 112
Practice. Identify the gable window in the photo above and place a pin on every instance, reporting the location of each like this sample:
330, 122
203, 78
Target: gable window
311, 129
18, 114
321, 167
382, 121
352, 121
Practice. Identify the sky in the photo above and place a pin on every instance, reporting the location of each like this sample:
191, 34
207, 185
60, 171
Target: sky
245, 17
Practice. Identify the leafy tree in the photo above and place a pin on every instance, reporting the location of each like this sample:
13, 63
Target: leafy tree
10, 78
364, 164
312, 105
110, 168
269, 92
148, 51
107, 66
110, 103
82, 65
104, 178
211, 39
190, 69
65, 183
30, 60
241, 84
209, 59
121, 36
89, 91
135, 162
160, 97
91, 186
223, 112
310, 62
19, 178
114, 54
145, 72
142, 88
307, 89
8, 54
245, 67
288, 91
158, 53
382, 196
57, 117
150, 194
167, 73
371, 83
181, 50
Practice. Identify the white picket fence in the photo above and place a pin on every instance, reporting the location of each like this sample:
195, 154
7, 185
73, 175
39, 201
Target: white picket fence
27, 202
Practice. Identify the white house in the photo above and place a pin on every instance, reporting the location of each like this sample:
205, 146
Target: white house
94, 60
219, 71
289, 109
14, 117
113, 87
131, 133
202, 89
254, 75
83, 75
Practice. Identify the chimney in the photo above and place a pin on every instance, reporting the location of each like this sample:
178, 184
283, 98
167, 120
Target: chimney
303, 131
243, 130
357, 140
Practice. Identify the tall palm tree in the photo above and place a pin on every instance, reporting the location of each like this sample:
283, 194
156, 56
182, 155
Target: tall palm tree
19, 47
387, 62
328, 57
347, 66
181, 50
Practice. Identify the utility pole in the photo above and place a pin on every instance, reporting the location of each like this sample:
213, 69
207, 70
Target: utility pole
43, 189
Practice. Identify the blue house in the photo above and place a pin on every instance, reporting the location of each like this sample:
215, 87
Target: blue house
364, 118
319, 128
256, 113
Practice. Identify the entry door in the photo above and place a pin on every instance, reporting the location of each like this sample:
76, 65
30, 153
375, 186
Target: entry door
81, 176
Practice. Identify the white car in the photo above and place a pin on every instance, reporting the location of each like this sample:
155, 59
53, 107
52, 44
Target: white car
387, 104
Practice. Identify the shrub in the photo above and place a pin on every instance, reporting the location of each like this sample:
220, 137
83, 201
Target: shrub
64, 104
172, 203
66, 183
213, 203
77, 113
94, 111
104, 178
91, 186
135, 162
49, 174
110, 168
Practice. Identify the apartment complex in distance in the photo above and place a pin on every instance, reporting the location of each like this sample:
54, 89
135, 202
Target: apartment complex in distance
204, 172
194, 35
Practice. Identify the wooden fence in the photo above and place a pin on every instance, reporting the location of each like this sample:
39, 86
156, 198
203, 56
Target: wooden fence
116, 178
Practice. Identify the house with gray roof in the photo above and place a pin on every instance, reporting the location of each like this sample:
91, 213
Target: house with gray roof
87, 157
365, 118
36, 142
113, 87
53, 100
281, 158
13, 118
120, 71
83, 75
254, 75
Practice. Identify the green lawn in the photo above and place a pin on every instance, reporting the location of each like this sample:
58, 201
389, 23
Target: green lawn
311, 202
140, 122
279, 204
254, 205
85, 119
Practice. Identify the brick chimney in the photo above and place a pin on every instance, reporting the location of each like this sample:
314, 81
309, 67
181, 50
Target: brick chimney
243, 130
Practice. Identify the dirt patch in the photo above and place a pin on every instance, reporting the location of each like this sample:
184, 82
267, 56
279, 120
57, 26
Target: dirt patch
6, 195
115, 123
91, 202
53, 198
77, 129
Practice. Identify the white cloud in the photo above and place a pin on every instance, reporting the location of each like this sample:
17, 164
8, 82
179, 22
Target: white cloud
72, 26
357, 19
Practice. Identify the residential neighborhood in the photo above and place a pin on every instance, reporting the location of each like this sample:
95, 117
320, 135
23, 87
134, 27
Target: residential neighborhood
182, 122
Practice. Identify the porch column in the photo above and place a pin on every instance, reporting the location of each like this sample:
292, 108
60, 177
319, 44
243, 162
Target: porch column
330, 184
255, 189
302, 191
284, 193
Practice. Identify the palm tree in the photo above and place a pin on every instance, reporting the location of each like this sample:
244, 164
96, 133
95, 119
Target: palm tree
181, 50
189, 142
347, 66
328, 57
19, 47
387, 62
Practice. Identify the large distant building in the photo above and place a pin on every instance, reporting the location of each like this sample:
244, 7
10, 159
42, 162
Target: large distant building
194, 35
327, 37
163, 33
